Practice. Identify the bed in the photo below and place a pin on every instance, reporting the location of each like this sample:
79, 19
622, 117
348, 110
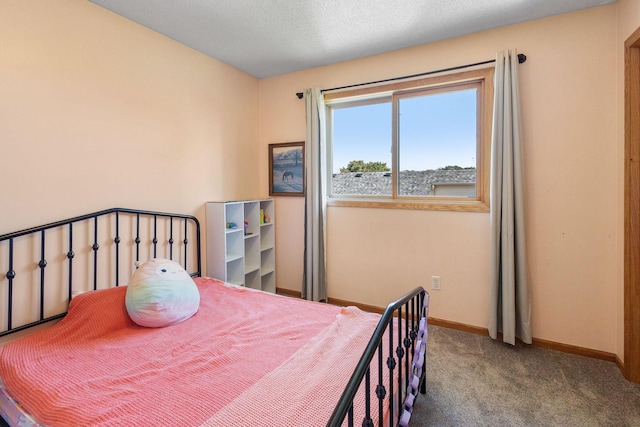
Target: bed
245, 357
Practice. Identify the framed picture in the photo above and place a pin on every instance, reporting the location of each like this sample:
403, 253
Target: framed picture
286, 169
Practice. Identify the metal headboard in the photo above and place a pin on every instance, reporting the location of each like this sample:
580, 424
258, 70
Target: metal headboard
147, 234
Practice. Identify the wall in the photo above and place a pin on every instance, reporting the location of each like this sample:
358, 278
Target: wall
97, 111
571, 163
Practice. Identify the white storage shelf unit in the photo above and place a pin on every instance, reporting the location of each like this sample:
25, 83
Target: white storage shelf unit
241, 243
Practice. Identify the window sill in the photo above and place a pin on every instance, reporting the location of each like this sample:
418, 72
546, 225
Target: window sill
428, 205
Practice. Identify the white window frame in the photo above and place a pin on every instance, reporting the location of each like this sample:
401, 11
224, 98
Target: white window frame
482, 79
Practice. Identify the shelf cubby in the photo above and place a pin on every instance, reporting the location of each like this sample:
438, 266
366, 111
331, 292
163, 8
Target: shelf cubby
241, 243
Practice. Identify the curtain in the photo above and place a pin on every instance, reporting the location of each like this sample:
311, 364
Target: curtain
510, 308
314, 286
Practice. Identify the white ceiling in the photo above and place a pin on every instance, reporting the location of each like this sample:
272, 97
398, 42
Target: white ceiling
271, 37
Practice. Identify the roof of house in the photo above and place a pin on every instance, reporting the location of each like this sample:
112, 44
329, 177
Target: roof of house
412, 183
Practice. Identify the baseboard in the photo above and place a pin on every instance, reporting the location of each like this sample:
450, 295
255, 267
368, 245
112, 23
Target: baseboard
458, 326
363, 307
537, 342
581, 351
289, 292
333, 301
551, 345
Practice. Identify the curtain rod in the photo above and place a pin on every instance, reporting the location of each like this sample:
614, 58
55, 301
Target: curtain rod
521, 59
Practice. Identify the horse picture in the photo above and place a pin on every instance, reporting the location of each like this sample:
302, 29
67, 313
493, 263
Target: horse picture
286, 164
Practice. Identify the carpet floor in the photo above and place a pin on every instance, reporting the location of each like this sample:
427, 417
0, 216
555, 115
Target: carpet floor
475, 381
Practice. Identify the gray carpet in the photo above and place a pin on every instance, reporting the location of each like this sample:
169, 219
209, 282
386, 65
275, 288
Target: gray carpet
475, 381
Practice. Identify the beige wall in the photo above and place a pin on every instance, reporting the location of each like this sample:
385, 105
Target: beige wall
97, 111
568, 88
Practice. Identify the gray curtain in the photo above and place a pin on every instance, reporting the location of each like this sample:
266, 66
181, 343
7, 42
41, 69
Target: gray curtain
314, 283
510, 307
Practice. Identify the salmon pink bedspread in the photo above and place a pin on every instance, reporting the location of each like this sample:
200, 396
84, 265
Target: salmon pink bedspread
317, 375
241, 354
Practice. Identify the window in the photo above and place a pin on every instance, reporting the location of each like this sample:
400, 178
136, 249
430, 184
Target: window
421, 144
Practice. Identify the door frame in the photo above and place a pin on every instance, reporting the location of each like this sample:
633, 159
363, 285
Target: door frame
631, 366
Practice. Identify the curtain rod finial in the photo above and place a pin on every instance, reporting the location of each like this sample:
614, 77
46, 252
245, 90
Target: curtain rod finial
299, 95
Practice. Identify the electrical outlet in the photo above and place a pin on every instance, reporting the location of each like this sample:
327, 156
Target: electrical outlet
435, 283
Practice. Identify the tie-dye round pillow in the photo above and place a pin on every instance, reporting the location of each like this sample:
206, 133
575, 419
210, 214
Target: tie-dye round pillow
161, 293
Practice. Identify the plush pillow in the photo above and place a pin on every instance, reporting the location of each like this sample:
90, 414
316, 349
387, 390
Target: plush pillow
161, 293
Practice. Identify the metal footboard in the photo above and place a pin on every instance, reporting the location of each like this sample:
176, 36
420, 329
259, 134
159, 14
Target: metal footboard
88, 252
400, 335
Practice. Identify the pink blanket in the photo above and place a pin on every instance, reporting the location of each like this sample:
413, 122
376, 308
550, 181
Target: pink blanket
316, 375
96, 367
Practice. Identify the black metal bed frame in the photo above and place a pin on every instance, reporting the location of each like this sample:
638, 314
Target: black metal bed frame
41, 263
408, 344
400, 335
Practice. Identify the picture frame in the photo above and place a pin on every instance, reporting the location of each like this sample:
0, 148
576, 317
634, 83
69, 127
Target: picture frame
286, 169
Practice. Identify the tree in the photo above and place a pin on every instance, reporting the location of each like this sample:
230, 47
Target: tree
297, 154
361, 166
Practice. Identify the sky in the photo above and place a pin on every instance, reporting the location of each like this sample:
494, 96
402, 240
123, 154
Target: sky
435, 131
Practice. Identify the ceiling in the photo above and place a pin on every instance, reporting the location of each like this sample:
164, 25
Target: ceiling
265, 38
